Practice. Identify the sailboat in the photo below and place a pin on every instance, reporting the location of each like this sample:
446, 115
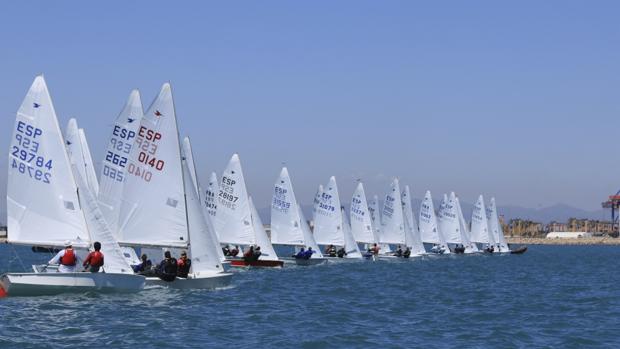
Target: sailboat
470, 246
429, 227
451, 226
480, 232
361, 220
375, 215
495, 228
412, 230
329, 222
189, 157
288, 224
160, 204
48, 203
237, 221
392, 220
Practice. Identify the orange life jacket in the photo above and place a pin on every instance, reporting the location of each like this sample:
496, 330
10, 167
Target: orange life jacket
95, 259
68, 258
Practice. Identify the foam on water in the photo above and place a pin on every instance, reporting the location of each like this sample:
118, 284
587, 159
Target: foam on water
550, 296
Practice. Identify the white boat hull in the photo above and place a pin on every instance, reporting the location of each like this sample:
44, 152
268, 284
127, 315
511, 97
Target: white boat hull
210, 281
42, 284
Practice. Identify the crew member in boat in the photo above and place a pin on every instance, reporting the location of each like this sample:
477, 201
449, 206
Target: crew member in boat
341, 252
145, 267
183, 265
94, 260
234, 252
309, 252
399, 252
66, 259
330, 250
167, 269
375, 249
226, 250
407, 253
300, 254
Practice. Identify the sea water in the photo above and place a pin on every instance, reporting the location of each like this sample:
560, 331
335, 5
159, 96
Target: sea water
551, 296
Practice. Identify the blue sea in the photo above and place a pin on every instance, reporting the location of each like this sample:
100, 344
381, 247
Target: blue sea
552, 296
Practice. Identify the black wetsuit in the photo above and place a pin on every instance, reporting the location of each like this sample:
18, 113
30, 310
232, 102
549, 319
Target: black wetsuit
167, 269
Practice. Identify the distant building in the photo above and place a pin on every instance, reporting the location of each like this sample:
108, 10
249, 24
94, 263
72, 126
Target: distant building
568, 235
525, 228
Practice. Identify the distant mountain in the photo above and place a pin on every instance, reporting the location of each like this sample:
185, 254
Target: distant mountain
558, 212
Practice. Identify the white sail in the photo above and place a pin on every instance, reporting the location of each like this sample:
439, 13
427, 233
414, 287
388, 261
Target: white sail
429, 228
414, 241
91, 174
375, 215
77, 155
189, 157
203, 249
233, 221
470, 247
480, 225
153, 209
285, 220
42, 201
449, 224
328, 219
496, 228
316, 202
361, 220
261, 238
393, 225
210, 200
350, 245
115, 161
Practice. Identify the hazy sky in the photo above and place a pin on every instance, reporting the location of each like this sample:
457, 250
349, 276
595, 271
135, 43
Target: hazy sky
519, 100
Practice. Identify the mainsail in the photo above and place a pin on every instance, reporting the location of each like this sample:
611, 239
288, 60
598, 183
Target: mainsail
361, 220
42, 201
233, 220
393, 225
449, 224
210, 201
480, 225
114, 164
496, 228
429, 229
288, 224
328, 217
153, 209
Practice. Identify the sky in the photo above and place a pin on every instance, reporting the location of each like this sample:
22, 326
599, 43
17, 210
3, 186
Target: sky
517, 100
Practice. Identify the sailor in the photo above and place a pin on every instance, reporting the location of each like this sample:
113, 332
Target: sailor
234, 252
300, 254
309, 253
167, 269
183, 265
375, 249
67, 259
341, 252
248, 256
399, 252
331, 251
407, 253
145, 267
257, 253
94, 260
226, 250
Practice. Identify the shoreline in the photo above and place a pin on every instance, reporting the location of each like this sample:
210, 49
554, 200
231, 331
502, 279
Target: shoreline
562, 241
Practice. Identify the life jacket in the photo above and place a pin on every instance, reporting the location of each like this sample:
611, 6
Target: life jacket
170, 266
96, 259
68, 259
